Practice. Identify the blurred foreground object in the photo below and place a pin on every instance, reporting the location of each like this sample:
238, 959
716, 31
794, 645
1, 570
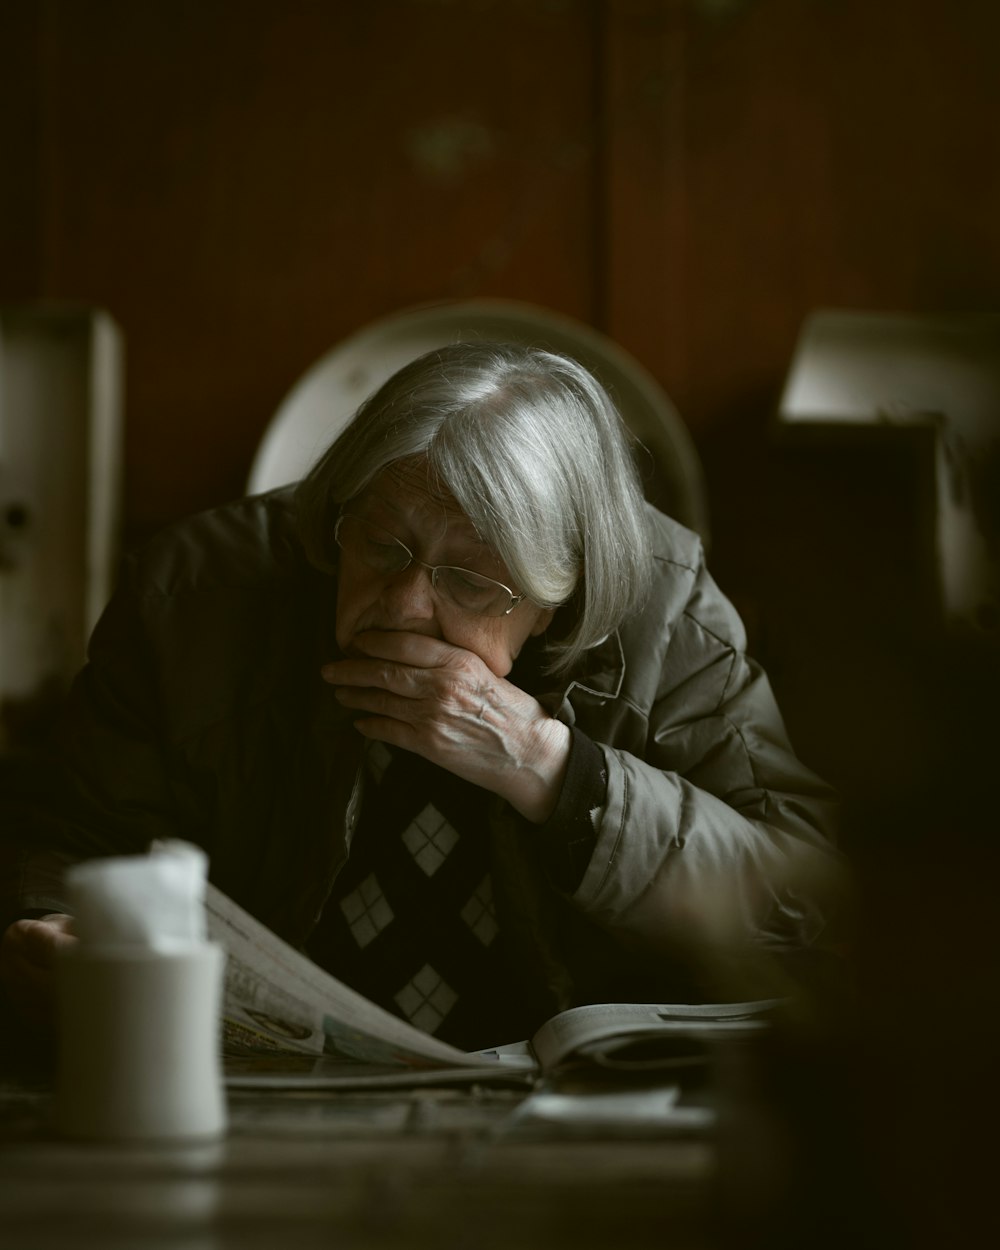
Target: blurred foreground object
139, 999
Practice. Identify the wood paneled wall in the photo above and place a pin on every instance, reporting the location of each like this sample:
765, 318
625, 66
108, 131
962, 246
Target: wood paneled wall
242, 183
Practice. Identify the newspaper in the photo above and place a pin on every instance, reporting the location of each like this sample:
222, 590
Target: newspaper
633, 1036
276, 1000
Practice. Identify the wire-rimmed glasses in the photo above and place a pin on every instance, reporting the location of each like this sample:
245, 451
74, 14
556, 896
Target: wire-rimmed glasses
383, 552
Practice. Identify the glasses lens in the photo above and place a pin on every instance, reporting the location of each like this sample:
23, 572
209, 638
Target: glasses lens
374, 547
382, 552
472, 592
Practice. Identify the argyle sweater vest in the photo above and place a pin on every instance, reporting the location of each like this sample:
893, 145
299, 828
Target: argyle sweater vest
410, 922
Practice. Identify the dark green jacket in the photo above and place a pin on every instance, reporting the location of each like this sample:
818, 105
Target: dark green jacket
201, 715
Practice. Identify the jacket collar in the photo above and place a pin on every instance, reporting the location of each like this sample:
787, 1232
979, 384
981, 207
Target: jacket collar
599, 675
602, 669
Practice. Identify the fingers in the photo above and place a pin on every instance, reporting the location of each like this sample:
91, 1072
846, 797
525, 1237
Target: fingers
403, 647
41, 940
376, 701
28, 952
439, 701
389, 655
405, 680
375, 675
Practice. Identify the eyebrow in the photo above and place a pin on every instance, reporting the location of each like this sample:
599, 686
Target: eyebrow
447, 506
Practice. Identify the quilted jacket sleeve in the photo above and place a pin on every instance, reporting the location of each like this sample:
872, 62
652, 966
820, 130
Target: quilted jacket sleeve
713, 836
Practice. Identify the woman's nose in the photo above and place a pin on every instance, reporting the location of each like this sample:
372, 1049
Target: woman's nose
408, 595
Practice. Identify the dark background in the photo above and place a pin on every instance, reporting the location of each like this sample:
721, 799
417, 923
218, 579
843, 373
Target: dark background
242, 184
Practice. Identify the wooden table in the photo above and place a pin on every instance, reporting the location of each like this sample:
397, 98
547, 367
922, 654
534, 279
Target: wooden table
435, 1168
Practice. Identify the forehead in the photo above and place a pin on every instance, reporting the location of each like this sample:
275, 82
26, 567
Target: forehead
407, 491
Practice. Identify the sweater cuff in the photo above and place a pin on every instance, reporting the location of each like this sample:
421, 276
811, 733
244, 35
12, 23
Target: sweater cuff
569, 835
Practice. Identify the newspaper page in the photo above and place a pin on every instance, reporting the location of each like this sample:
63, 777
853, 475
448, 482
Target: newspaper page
604, 1028
276, 1000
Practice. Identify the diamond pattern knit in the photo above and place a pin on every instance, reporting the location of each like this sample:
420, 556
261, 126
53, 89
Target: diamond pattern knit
410, 922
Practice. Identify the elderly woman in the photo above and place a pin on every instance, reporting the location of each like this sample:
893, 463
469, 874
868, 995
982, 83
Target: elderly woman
461, 716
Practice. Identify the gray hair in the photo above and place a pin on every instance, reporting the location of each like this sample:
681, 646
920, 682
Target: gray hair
533, 450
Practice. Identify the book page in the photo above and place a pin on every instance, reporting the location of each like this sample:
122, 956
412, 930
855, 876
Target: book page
277, 1000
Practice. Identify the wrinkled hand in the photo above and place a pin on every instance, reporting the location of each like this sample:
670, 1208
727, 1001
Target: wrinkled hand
442, 702
28, 953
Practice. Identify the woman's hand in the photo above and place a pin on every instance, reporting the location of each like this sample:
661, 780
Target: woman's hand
442, 702
28, 953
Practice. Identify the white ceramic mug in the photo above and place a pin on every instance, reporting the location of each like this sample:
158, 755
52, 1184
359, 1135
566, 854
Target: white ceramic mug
139, 1054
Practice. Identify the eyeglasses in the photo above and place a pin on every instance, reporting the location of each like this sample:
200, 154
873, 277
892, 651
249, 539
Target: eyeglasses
381, 551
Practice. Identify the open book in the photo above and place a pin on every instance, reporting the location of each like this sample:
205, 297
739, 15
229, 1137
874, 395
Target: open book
286, 1021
